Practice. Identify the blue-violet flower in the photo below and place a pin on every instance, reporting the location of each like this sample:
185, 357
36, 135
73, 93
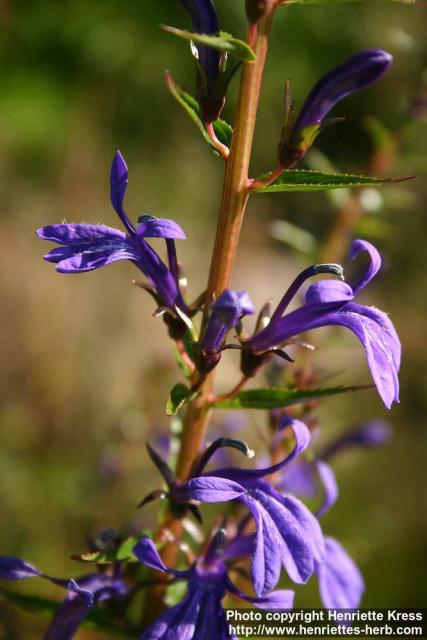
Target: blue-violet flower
205, 20
331, 302
286, 532
225, 314
83, 594
356, 73
200, 616
85, 247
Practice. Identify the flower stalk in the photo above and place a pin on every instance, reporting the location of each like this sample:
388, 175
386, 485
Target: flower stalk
233, 204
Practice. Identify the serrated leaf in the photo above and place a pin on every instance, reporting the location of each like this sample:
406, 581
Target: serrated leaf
222, 42
95, 620
308, 180
123, 553
179, 395
223, 130
279, 398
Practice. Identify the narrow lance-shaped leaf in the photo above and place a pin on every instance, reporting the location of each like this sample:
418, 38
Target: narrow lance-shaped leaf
223, 130
224, 42
308, 180
276, 398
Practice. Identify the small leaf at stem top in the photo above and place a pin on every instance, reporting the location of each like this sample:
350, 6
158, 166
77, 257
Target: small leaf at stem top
222, 42
223, 130
179, 395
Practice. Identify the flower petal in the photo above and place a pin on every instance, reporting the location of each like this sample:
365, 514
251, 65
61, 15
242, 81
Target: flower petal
151, 227
302, 440
79, 234
361, 246
118, 185
178, 621
12, 568
330, 486
71, 613
340, 581
91, 260
281, 599
354, 74
213, 489
326, 291
299, 479
147, 553
382, 346
266, 557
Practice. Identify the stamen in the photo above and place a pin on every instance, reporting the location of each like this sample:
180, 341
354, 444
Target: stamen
316, 269
221, 443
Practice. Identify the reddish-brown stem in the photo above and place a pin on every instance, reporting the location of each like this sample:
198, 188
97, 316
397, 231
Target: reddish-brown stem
235, 190
231, 394
222, 149
253, 185
233, 204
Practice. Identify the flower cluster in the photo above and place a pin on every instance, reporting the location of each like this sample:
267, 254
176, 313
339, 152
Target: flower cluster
266, 532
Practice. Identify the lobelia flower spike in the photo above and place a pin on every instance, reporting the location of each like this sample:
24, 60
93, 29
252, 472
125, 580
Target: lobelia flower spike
286, 532
225, 314
205, 20
86, 247
358, 72
200, 616
331, 302
83, 594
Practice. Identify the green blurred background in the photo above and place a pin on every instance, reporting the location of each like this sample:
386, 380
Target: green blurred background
85, 369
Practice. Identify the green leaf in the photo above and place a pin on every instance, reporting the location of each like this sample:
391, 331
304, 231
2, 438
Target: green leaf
96, 619
123, 553
179, 395
308, 180
222, 42
223, 130
276, 398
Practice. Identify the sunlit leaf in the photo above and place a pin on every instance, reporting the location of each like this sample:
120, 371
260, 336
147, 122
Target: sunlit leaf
123, 553
222, 42
179, 395
276, 398
308, 180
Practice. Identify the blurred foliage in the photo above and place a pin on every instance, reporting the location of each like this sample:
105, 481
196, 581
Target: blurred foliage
85, 368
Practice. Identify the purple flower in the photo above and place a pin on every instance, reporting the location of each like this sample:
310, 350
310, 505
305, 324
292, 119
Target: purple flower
341, 584
371, 434
226, 313
286, 532
331, 302
358, 72
200, 616
205, 20
82, 594
85, 247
